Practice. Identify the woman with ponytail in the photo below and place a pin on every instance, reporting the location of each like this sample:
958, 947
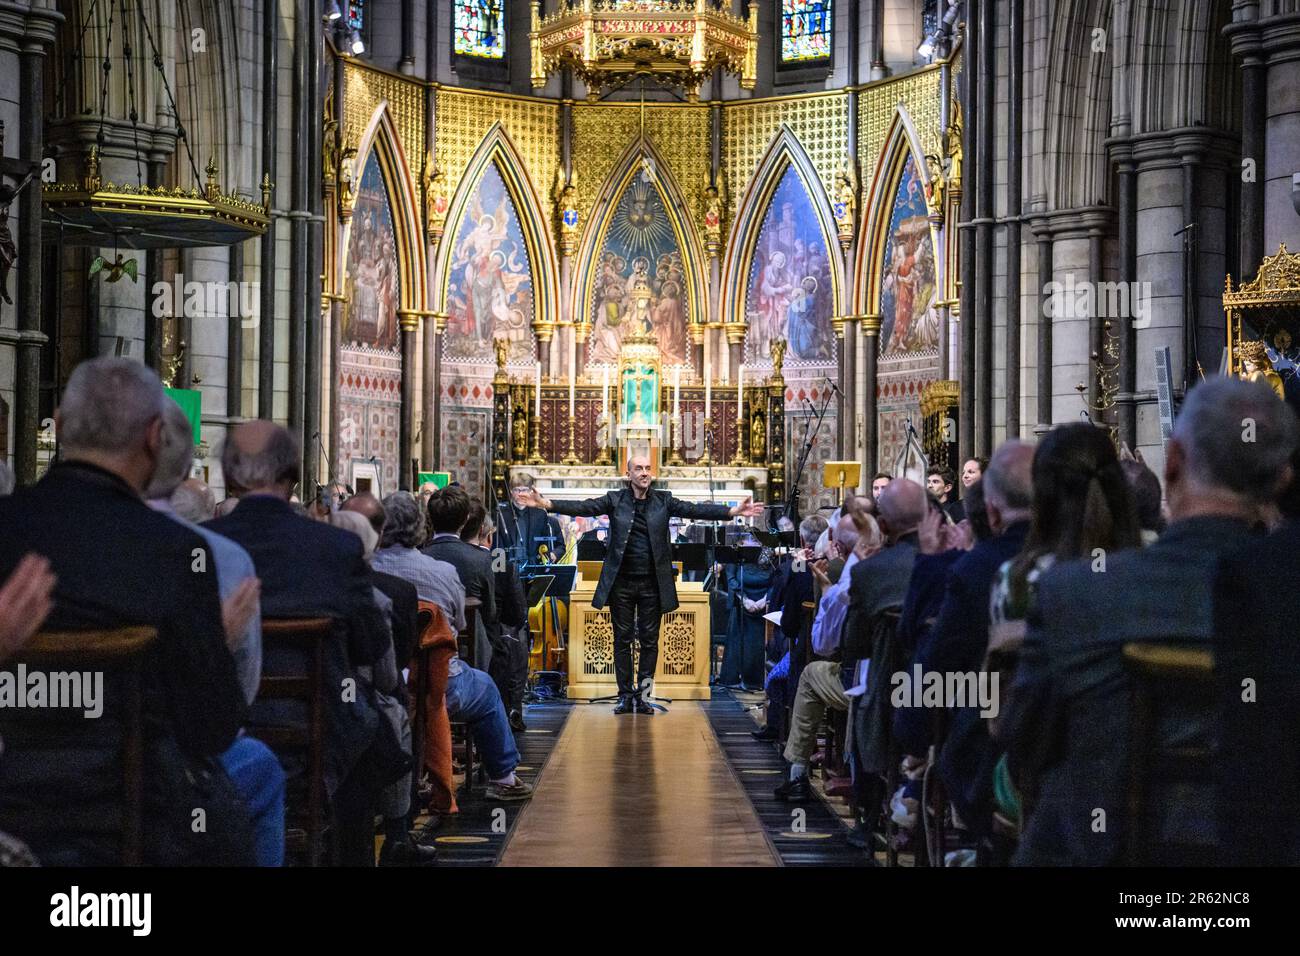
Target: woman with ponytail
1082, 508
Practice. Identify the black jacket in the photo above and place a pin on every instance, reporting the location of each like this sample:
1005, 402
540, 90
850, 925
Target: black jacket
118, 563
474, 568
660, 507
522, 534
405, 616
1257, 637
310, 569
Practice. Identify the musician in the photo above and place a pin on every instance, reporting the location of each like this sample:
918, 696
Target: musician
523, 530
637, 579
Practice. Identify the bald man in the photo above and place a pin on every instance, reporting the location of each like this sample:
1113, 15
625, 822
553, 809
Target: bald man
637, 578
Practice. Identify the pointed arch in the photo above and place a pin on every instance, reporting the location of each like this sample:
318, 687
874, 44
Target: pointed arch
380, 137
783, 154
683, 227
901, 144
498, 149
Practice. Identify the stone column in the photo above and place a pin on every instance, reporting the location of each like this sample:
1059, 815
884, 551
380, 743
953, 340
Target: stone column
40, 28
871, 341
409, 320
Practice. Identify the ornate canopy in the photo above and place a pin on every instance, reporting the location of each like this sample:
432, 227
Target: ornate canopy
678, 41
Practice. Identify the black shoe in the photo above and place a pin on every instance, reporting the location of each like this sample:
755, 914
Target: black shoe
517, 721
795, 791
642, 706
860, 836
768, 733
407, 854
625, 706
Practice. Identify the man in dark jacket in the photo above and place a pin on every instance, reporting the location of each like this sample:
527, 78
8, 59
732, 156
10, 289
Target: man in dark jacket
310, 569
1068, 720
447, 512
636, 579
521, 530
119, 563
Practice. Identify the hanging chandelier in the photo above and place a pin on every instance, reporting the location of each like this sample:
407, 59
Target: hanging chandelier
93, 211
679, 42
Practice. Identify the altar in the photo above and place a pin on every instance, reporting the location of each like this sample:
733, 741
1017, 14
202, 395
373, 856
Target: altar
684, 643
726, 485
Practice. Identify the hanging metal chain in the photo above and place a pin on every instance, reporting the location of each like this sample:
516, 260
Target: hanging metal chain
171, 100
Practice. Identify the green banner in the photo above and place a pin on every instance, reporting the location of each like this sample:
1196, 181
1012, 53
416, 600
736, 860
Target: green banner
440, 479
191, 402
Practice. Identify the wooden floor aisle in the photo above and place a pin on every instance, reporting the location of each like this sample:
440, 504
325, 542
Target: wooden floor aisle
638, 791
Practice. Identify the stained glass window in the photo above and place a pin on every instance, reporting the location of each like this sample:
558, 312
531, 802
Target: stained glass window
356, 14
805, 30
479, 28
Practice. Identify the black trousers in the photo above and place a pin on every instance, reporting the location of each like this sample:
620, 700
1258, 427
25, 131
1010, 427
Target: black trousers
635, 612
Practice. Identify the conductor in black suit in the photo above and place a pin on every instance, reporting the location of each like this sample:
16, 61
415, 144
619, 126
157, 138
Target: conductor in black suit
637, 578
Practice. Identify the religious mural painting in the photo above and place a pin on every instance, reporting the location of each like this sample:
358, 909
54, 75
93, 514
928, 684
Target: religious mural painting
639, 282
790, 293
909, 316
370, 358
490, 285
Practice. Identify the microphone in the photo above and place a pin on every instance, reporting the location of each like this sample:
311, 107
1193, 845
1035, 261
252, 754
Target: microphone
829, 381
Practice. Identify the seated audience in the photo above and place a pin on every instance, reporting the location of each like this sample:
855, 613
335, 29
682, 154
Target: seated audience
472, 698
510, 669
878, 483
958, 640
309, 569
877, 583
796, 589
1257, 646
386, 682
194, 501
404, 617
447, 512
1082, 502
941, 483
118, 564
1068, 723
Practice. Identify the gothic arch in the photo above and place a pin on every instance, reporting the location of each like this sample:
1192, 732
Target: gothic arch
498, 148
783, 153
607, 200
380, 136
901, 143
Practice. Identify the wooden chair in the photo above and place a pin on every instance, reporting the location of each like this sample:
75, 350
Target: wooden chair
119, 652
430, 727
1165, 678
468, 653
308, 636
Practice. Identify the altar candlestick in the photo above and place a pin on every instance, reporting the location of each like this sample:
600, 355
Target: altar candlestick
537, 394
708, 390
740, 393
677, 391
573, 366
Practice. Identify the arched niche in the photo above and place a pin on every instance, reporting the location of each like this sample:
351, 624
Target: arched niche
495, 272
639, 217
782, 273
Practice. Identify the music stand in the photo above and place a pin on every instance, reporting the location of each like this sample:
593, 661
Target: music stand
845, 474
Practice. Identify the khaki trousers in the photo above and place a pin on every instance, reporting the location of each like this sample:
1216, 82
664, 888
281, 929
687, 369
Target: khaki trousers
819, 687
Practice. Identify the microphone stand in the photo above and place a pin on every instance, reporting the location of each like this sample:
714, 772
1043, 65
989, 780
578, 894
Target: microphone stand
810, 439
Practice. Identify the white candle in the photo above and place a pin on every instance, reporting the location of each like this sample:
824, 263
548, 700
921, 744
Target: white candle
604, 394
677, 391
740, 393
571, 396
708, 390
537, 394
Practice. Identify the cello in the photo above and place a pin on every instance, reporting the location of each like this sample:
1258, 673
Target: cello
547, 623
